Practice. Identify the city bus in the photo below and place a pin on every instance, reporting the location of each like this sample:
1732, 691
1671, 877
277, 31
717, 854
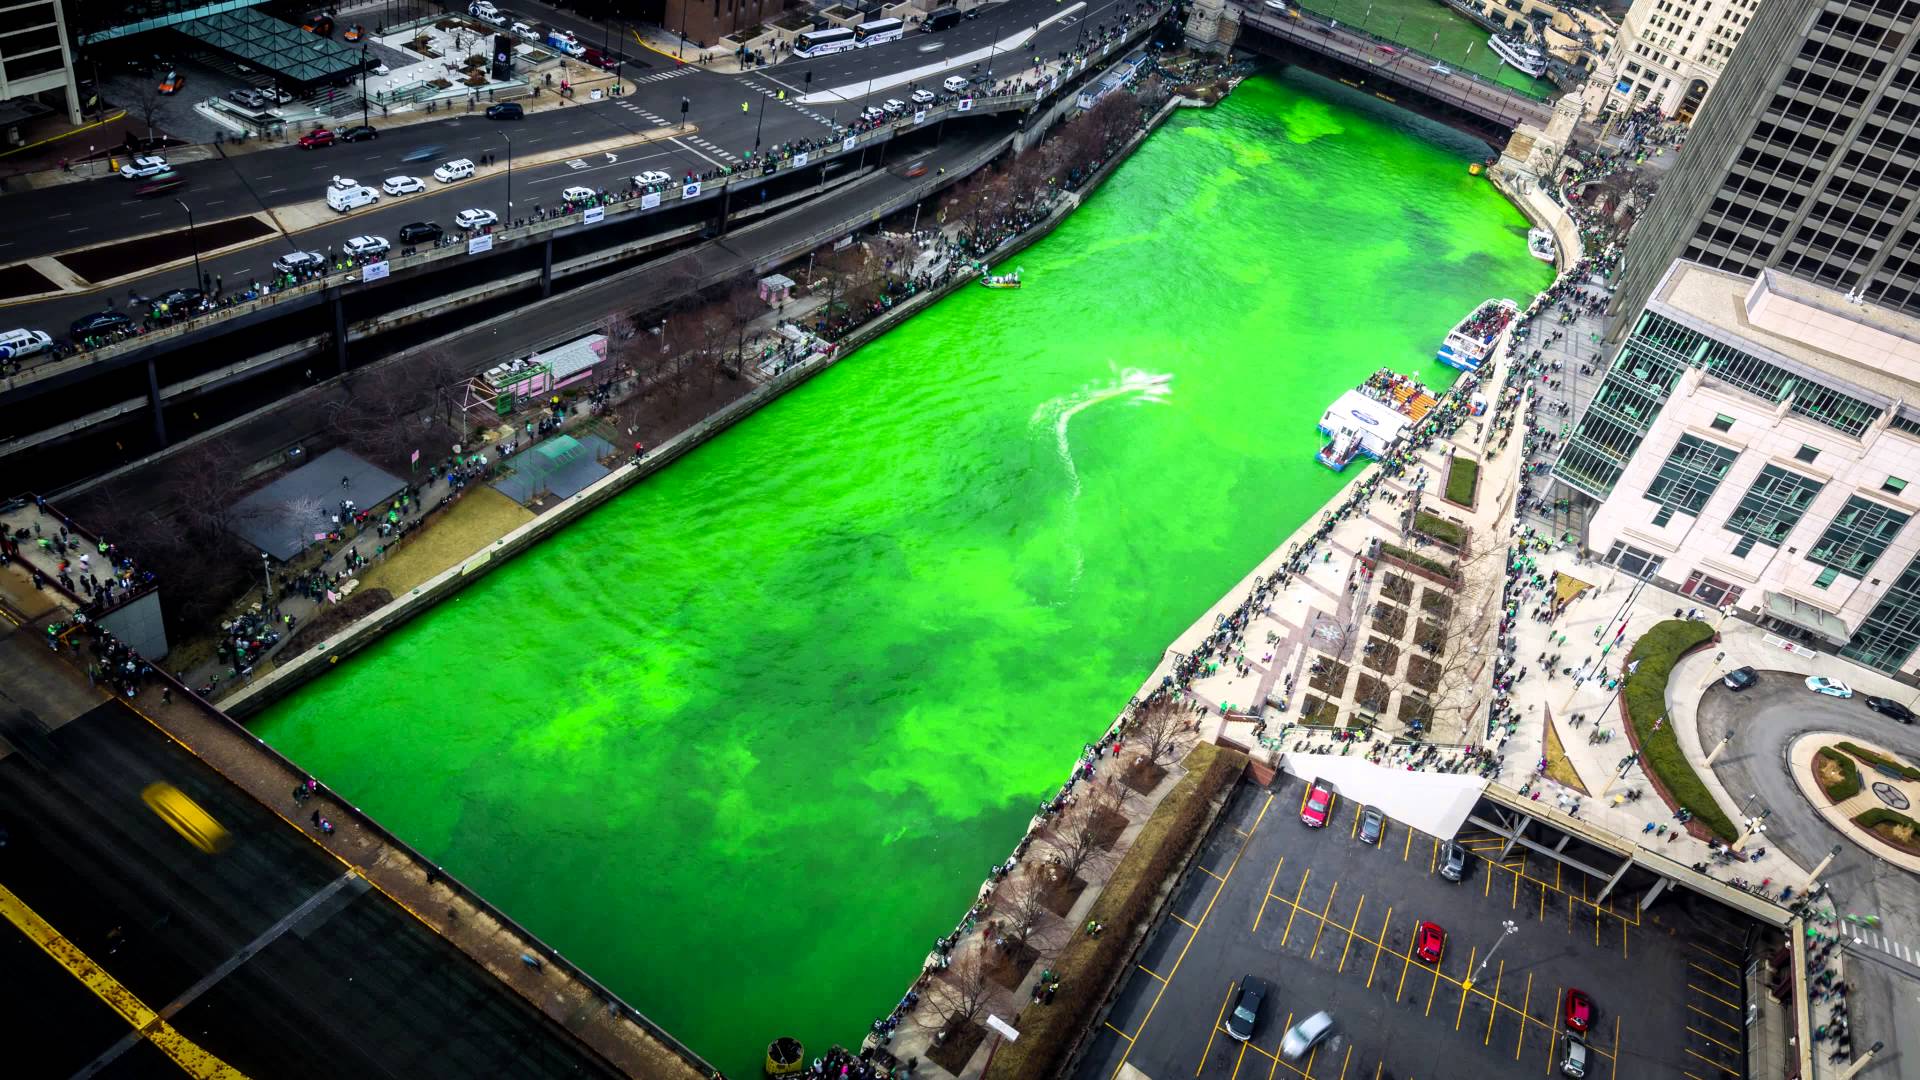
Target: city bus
878, 32
941, 19
822, 42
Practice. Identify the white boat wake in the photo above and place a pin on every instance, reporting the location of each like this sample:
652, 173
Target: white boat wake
1137, 387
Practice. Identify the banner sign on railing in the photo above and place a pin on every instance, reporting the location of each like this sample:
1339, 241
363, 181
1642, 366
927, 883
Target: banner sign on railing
691, 191
966, 104
594, 215
650, 200
920, 116
799, 161
478, 244
374, 271
849, 142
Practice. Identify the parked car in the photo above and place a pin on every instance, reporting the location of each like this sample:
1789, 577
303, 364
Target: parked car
1740, 678
1317, 805
922, 97
1305, 1035
1277, 5
99, 323
491, 18
143, 167
893, 106
1429, 942
523, 31
366, 247
1453, 862
1372, 824
171, 82
1573, 1055
345, 194
295, 262
162, 184
15, 344
1578, 1011
954, 84
872, 115
506, 110
316, 138
247, 96
402, 185
457, 169
417, 232
1246, 1008
577, 194
651, 178
1890, 709
1820, 684
354, 33
476, 218
601, 60
358, 132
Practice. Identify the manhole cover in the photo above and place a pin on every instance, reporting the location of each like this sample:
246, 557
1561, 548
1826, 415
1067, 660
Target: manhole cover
1890, 795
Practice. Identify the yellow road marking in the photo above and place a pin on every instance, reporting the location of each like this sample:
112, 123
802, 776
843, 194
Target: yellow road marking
1711, 974
1185, 923
1623, 941
1379, 946
1408, 851
1710, 1016
1714, 996
1295, 910
1731, 1049
1353, 830
1516, 890
1236, 1062
1344, 1062
1501, 973
1263, 900
1407, 962
1433, 991
1350, 934
1710, 1061
1552, 1037
1614, 1058
1322, 928
1486, 890
192, 1058
1211, 874
1208, 1052
1117, 1031
1526, 1003
1149, 971
1461, 1013
1732, 964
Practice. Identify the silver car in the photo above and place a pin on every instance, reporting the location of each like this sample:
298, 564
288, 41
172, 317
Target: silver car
1372, 824
1453, 862
1305, 1035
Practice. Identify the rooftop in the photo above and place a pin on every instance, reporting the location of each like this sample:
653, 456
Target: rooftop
1872, 347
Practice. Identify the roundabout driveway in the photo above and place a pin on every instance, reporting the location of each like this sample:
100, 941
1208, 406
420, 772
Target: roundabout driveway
1765, 720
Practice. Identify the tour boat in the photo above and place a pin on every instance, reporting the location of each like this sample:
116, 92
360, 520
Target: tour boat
1473, 338
1540, 244
1372, 418
1522, 55
1340, 452
1001, 281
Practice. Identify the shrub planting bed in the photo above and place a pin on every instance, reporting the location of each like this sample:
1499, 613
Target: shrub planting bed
1645, 698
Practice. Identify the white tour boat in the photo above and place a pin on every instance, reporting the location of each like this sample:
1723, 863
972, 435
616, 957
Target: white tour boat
1523, 55
1474, 337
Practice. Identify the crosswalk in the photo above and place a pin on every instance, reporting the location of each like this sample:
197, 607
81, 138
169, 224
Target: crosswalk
713, 150
646, 114
793, 102
663, 76
1875, 939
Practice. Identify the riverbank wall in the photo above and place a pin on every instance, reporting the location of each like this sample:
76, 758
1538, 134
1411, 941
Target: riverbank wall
1541, 209
291, 674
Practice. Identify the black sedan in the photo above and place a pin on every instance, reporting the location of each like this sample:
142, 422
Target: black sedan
100, 322
418, 232
359, 132
1890, 709
506, 110
1246, 1009
1740, 678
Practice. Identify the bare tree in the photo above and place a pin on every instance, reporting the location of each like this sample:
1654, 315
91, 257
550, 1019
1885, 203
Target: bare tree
1022, 904
146, 104
1157, 730
1072, 845
960, 995
1107, 797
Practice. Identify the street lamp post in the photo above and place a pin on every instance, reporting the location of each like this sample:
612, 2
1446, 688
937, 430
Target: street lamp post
364, 121
266, 573
1862, 1063
509, 139
1832, 854
1508, 928
1756, 826
198, 278
1724, 740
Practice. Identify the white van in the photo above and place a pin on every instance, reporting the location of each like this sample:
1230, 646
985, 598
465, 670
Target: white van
345, 194
577, 194
15, 344
955, 84
457, 169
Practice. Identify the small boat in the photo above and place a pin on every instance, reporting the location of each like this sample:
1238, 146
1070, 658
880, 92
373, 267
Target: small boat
1340, 452
1473, 338
1523, 56
1001, 281
1540, 244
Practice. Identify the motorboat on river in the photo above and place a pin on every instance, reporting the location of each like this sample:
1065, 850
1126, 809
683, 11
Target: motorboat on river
1001, 281
1524, 56
1540, 244
1369, 420
1474, 337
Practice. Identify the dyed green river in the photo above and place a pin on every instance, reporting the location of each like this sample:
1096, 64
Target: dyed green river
745, 742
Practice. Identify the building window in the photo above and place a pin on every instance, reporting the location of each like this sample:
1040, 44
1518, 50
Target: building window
1858, 537
1722, 422
1892, 629
1807, 454
1710, 590
1826, 578
1638, 563
1690, 475
1894, 484
1771, 508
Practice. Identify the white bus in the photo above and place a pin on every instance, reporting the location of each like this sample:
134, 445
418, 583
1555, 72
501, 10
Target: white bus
878, 31
821, 42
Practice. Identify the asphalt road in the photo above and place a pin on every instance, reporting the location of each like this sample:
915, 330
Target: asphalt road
919, 49
1882, 973
1327, 922
273, 954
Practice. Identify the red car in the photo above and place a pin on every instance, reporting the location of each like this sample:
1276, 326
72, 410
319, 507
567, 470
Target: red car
316, 137
1429, 941
1579, 1013
1317, 807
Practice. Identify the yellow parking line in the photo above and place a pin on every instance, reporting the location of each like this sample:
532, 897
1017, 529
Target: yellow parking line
1353, 831
1596, 927
1237, 1062
1714, 996
1208, 1052
1732, 1049
1296, 905
1263, 900
1543, 905
1149, 971
191, 1057
1433, 860
1495, 1011
1516, 890
1379, 946
1710, 1061
1734, 964
1408, 850
1434, 990
1691, 1076
1704, 971
1710, 1016
1344, 1062
1551, 1036
1350, 935
1486, 890
1460, 1014
1322, 928
1117, 1031
1614, 1058
1526, 1003
1623, 941
1185, 923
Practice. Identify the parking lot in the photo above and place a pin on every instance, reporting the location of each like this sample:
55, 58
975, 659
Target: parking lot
1328, 923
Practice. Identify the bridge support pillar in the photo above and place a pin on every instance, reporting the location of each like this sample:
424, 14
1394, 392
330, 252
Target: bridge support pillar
726, 198
1647, 898
154, 404
546, 268
339, 332
1212, 26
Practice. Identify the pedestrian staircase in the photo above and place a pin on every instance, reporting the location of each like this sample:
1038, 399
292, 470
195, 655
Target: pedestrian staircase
1413, 403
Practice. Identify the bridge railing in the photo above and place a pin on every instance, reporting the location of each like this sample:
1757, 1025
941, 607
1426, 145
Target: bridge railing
1265, 22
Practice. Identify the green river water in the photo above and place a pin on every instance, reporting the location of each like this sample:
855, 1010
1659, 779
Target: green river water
744, 742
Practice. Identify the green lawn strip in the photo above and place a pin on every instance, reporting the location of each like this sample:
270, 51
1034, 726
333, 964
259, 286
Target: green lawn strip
1906, 771
1444, 569
1088, 964
1884, 823
1846, 787
1656, 652
1439, 528
1461, 474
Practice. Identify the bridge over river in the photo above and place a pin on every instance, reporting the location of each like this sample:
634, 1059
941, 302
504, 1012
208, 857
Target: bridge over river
1385, 66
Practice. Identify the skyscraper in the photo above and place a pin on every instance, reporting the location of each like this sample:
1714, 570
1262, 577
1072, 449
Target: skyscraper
1805, 159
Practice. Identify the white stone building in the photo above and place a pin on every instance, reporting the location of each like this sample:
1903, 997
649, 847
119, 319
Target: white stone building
1670, 52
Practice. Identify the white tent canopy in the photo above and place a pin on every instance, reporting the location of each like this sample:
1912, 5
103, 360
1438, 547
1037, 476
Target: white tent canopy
1376, 424
1434, 803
